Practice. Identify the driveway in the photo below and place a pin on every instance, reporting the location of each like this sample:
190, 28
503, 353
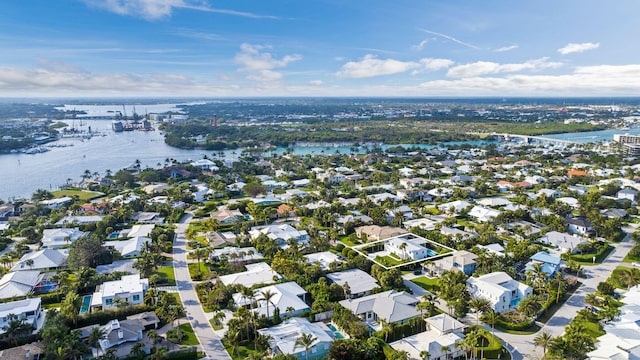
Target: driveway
209, 341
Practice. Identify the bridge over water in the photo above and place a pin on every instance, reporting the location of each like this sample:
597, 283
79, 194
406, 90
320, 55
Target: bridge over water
527, 138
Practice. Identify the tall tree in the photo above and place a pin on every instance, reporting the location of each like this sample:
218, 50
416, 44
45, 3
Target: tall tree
305, 341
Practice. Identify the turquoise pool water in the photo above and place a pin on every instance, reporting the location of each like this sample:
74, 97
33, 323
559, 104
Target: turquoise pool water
86, 303
335, 331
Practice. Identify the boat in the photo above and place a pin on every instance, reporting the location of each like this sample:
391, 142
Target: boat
117, 126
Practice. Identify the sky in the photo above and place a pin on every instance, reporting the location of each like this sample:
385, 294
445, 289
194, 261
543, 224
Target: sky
318, 48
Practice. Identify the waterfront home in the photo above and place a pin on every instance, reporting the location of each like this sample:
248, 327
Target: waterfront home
29, 309
45, 259
390, 306
359, 282
258, 273
56, 203
288, 297
130, 289
283, 337
443, 332
500, 289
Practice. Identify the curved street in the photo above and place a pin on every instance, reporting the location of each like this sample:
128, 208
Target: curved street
209, 342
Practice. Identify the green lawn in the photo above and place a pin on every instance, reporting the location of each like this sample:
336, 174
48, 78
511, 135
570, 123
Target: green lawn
531, 330
345, 240
214, 325
191, 338
83, 195
166, 272
388, 260
429, 284
587, 259
202, 274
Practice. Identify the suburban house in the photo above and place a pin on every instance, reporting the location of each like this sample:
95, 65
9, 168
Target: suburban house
408, 246
324, 259
579, 225
550, 264
19, 283
382, 197
443, 332
129, 248
282, 338
390, 306
288, 297
46, 259
57, 238
483, 214
495, 201
120, 336
147, 218
29, 309
375, 232
360, 282
404, 211
78, 220
56, 203
258, 273
562, 241
500, 289
130, 289
621, 340
460, 260
281, 233
627, 194
409, 183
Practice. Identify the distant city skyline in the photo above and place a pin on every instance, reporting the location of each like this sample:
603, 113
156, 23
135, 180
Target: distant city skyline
254, 48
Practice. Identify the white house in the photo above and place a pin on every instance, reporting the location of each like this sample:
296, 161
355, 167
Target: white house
562, 241
390, 306
282, 338
443, 332
404, 247
324, 259
57, 238
288, 297
29, 309
500, 289
45, 259
130, 247
457, 206
56, 203
19, 283
483, 214
360, 283
129, 289
281, 233
627, 194
258, 273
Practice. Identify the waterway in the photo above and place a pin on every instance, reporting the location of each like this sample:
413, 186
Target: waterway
25, 173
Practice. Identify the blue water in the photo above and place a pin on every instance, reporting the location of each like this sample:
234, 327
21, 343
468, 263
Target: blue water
114, 235
47, 288
86, 303
431, 252
335, 331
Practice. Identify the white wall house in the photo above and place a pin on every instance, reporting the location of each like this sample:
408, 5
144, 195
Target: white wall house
129, 289
500, 289
406, 249
28, 309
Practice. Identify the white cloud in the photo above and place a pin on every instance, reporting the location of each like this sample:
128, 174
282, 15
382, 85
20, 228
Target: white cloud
194, 34
316, 82
259, 65
156, 9
371, 66
578, 48
436, 64
486, 67
506, 48
421, 45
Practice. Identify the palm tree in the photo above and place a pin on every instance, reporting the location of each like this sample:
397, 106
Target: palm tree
491, 317
267, 295
154, 337
543, 339
71, 306
479, 305
425, 355
16, 326
218, 317
96, 334
305, 340
403, 247
445, 349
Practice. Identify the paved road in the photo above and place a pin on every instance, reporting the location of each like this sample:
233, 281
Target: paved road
209, 341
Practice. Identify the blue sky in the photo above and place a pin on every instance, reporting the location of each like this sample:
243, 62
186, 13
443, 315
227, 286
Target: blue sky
419, 48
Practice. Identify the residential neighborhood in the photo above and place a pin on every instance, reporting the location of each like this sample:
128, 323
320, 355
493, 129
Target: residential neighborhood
334, 256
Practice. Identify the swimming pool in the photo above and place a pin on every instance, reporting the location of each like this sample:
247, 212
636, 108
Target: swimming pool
86, 303
335, 331
431, 252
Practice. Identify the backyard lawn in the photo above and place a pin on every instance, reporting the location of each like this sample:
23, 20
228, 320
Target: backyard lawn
190, 338
429, 284
166, 273
83, 195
